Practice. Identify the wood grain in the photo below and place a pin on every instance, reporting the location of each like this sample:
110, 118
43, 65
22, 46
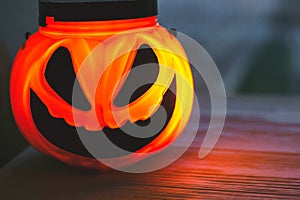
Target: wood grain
256, 158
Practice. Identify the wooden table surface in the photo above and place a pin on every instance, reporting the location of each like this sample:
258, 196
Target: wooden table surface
257, 157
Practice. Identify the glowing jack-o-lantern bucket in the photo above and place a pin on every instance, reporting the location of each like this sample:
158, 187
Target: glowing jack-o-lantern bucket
48, 64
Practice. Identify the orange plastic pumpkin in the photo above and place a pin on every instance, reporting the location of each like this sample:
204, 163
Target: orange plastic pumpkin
46, 66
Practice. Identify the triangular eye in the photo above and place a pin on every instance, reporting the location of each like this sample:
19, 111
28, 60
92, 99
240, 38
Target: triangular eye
61, 76
145, 70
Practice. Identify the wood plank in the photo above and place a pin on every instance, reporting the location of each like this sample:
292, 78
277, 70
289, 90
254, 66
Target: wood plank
255, 158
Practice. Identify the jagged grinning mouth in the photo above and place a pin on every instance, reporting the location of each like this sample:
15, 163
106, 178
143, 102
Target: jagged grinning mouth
64, 136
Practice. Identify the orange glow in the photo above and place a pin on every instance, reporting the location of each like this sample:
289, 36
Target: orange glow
80, 38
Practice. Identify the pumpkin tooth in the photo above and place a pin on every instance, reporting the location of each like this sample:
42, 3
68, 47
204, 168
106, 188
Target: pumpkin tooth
53, 113
85, 120
93, 127
70, 122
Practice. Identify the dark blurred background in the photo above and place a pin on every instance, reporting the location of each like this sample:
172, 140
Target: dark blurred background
255, 44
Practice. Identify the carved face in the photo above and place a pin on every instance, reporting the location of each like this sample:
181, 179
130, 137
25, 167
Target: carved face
42, 84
